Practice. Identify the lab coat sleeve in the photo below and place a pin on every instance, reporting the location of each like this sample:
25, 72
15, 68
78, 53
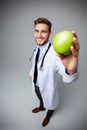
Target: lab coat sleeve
32, 62
31, 70
30, 73
70, 78
66, 77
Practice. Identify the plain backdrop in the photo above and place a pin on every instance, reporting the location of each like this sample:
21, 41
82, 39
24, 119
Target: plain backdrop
16, 47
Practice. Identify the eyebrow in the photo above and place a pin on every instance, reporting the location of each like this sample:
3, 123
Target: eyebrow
41, 30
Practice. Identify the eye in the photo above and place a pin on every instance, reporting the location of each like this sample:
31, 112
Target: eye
42, 31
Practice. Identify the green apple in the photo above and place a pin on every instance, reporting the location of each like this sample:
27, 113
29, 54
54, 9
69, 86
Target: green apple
62, 42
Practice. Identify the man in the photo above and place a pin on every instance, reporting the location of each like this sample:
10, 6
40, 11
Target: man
44, 69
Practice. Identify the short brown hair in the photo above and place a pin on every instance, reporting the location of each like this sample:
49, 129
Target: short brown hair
44, 21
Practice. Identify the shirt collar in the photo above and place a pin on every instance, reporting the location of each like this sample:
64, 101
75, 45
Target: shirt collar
44, 46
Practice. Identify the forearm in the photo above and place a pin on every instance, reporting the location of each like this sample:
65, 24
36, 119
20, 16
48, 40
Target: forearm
73, 67
70, 72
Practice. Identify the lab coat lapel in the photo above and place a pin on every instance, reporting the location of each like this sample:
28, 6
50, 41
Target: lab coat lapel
42, 53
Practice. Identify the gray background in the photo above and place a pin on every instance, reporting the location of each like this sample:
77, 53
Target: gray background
16, 46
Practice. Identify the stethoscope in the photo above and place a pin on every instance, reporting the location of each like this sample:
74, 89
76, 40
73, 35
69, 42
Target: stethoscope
42, 62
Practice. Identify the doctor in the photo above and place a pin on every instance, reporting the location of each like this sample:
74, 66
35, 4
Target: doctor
43, 73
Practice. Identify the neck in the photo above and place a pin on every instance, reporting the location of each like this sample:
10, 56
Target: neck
44, 45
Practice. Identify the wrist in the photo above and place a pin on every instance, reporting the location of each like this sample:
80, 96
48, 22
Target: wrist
70, 72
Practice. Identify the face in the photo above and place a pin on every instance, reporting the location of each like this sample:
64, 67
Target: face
41, 34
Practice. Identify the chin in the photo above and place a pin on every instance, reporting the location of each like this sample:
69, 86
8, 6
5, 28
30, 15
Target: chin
41, 44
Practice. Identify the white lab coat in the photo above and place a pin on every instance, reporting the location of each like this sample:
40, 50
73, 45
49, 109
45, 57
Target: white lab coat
47, 77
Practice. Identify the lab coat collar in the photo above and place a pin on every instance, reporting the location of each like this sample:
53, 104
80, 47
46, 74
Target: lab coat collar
43, 49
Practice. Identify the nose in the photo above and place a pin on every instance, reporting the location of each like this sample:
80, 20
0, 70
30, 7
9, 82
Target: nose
39, 34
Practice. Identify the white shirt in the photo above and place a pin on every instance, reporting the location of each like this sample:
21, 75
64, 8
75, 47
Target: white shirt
41, 51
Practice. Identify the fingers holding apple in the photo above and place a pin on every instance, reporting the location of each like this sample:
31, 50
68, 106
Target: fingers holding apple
75, 48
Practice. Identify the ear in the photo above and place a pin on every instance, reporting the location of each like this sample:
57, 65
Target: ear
50, 33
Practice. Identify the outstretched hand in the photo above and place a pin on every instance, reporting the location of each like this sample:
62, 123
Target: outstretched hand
71, 61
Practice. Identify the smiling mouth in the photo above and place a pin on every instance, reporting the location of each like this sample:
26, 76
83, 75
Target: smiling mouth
39, 39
